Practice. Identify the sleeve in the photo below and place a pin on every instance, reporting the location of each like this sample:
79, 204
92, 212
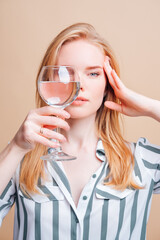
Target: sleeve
150, 155
7, 199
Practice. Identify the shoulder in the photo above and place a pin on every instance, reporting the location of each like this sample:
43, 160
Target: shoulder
146, 150
147, 158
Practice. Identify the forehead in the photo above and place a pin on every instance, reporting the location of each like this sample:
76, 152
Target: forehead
80, 53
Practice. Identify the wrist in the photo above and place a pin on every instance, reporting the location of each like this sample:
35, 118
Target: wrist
11, 156
154, 109
15, 148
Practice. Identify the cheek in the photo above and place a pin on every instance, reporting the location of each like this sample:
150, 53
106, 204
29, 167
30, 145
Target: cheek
98, 92
98, 99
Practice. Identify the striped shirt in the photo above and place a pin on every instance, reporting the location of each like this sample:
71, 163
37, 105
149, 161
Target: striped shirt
102, 212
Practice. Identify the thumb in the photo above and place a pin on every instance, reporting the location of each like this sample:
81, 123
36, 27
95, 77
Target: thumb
113, 106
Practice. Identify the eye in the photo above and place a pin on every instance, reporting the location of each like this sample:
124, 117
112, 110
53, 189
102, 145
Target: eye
94, 74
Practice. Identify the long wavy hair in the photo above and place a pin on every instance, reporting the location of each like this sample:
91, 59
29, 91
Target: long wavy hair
117, 150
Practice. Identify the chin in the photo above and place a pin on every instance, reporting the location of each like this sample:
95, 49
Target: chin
80, 113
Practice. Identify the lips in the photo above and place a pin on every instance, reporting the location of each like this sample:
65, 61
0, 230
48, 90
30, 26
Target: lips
80, 101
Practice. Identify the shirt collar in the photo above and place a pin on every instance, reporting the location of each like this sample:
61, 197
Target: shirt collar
100, 153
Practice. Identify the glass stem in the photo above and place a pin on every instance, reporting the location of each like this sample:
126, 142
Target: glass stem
57, 149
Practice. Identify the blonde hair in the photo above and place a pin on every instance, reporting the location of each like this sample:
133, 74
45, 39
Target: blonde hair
117, 150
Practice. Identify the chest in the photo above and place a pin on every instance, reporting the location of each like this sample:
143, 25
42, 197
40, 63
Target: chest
79, 173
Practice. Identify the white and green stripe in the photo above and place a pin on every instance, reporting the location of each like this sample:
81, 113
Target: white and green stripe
102, 212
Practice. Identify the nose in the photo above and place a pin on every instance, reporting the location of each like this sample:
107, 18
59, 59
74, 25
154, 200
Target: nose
82, 83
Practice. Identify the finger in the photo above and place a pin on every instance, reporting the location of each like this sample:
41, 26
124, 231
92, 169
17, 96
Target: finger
113, 106
117, 80
48, 110
53, 121
44, 141
108, 71
114, 78
47, 133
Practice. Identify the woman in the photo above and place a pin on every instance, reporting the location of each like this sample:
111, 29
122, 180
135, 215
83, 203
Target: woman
106, 192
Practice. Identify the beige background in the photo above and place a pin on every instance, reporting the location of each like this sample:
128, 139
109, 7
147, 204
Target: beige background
26, 29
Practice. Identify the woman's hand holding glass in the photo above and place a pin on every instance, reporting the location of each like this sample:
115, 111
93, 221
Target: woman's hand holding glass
38, 128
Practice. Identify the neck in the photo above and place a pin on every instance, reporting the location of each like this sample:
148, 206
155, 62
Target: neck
82, 132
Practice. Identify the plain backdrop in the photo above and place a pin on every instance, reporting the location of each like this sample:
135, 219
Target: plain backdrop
27, 28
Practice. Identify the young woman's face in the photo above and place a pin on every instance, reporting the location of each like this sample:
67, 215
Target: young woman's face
88, 60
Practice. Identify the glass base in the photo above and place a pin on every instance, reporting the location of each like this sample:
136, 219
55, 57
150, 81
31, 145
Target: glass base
57, 155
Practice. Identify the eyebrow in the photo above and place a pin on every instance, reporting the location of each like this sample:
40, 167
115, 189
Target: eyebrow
93, 67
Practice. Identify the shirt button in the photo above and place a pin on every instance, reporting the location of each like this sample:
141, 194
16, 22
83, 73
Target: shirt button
84, 197
94, 175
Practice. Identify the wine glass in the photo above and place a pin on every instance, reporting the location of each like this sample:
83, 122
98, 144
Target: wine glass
58, 86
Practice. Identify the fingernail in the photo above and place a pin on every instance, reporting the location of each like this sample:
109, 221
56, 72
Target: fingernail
106, 62
67, 115
107, 59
